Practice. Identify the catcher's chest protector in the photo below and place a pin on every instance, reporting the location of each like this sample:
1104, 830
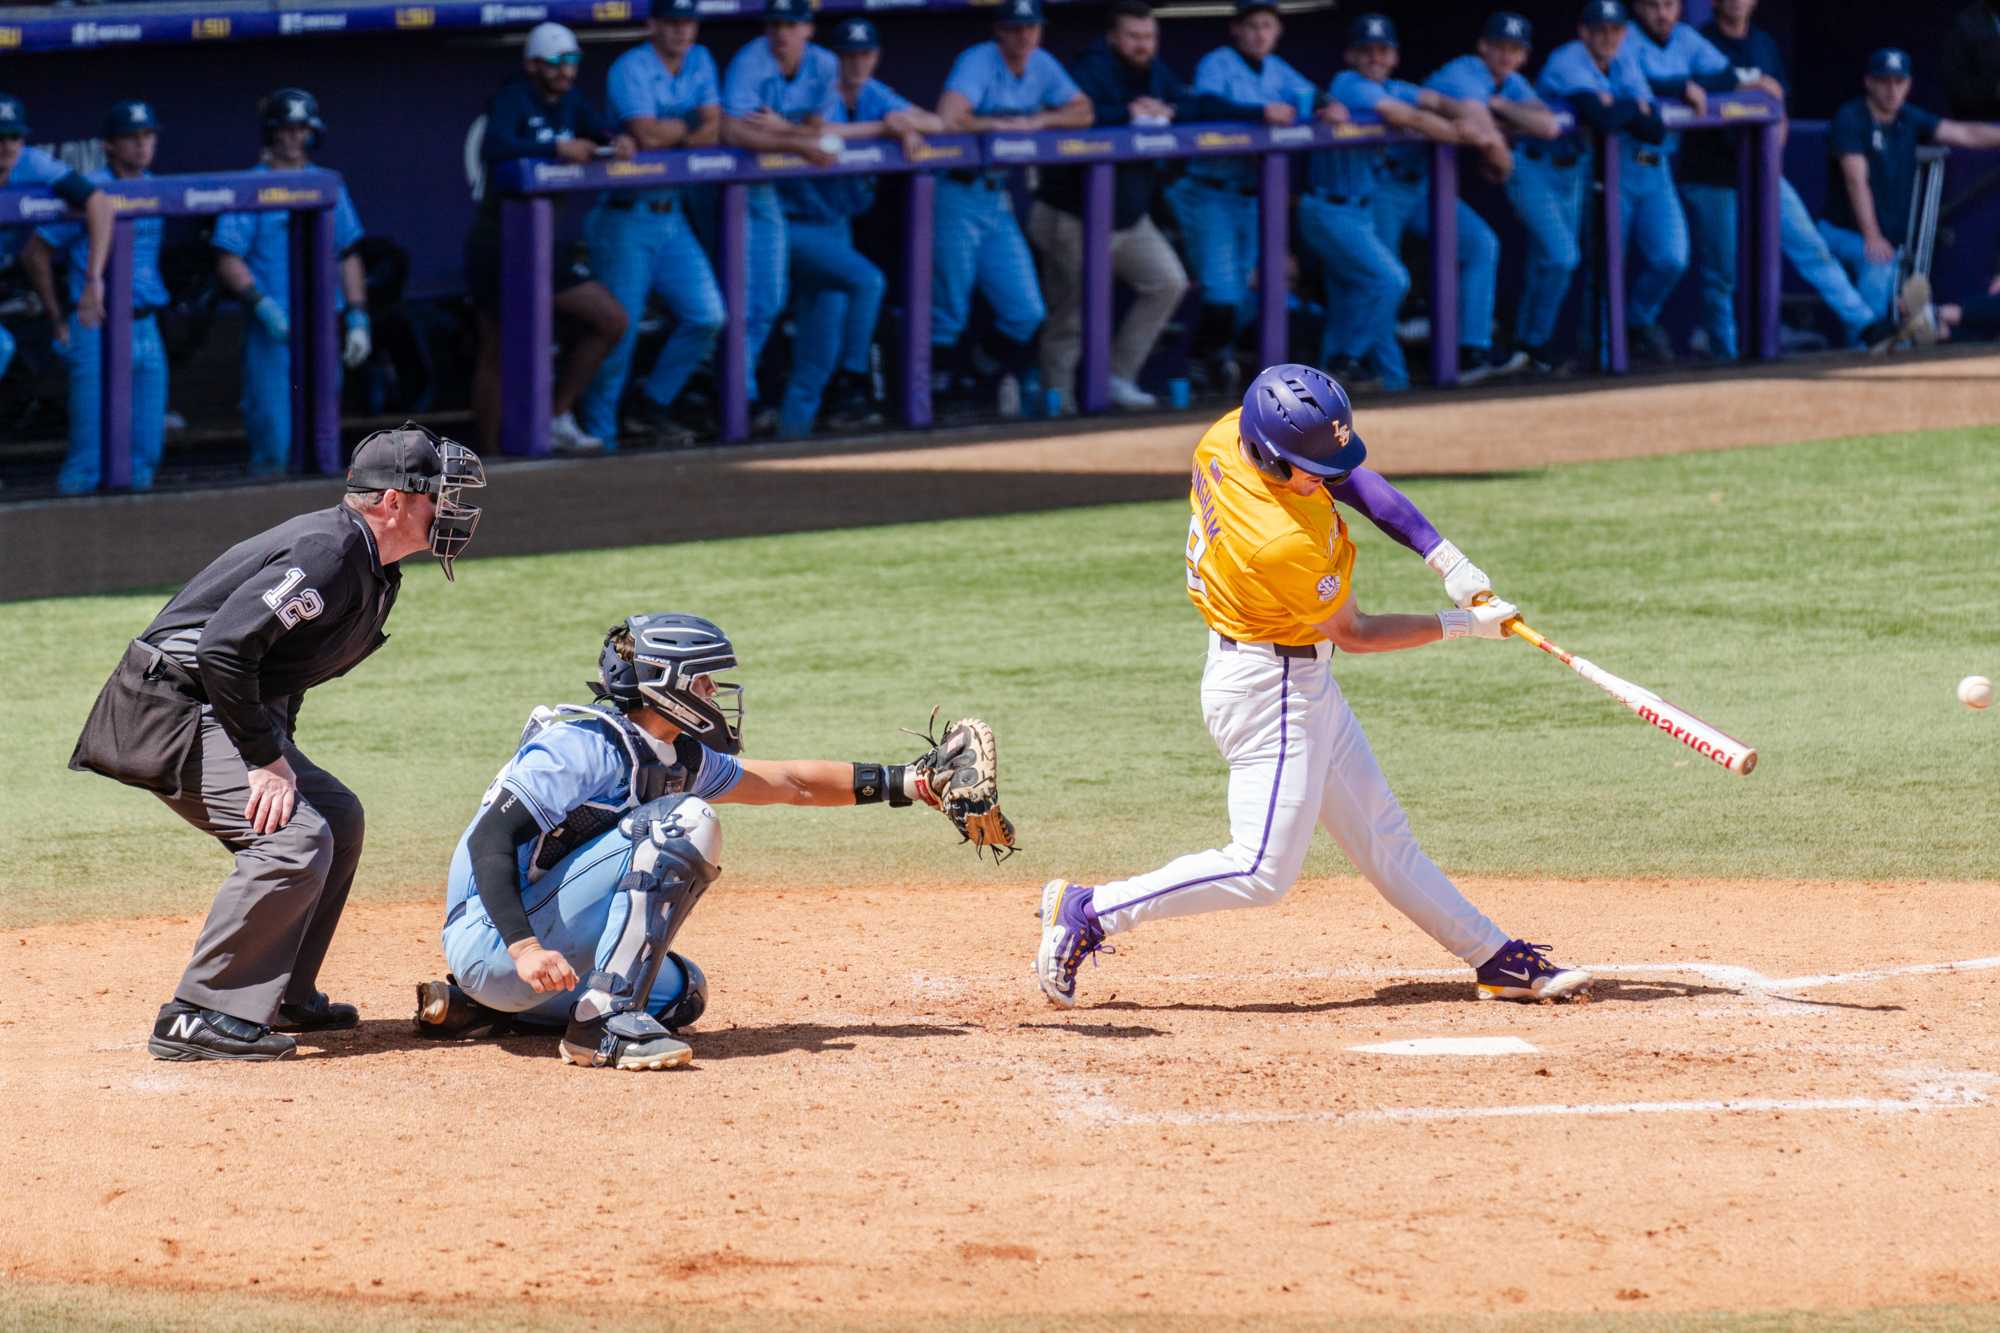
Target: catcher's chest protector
651, 778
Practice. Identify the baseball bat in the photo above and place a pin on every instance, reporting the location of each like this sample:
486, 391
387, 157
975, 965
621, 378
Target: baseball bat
1707, 741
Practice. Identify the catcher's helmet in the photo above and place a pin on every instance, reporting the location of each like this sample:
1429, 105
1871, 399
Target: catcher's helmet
1298, 417
653, 660
291, 106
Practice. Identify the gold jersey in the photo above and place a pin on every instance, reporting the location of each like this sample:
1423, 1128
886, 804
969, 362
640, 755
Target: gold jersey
1263, 565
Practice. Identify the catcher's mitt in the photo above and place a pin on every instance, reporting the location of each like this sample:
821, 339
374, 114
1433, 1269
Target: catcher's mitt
959, 775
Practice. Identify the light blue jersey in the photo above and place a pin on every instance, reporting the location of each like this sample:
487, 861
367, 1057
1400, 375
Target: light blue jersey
73, 239
263, 241
35, 168
826, 199
1351, 172
641, 86
1468, 79
577, 771
1570, 70
980, 75
756, 83
1685, 55
1226, 73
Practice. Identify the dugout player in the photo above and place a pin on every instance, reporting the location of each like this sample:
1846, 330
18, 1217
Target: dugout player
1271, 569
203, 712
665, 94
1007, 85
539, 114
1873, 142
597, 838
21, 168
1216, 201
131, 135
254, 260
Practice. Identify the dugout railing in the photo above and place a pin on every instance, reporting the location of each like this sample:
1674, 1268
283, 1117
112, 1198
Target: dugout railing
527, 190
314, 294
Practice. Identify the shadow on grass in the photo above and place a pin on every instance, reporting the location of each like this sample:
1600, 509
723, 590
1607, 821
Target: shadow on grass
1605, 990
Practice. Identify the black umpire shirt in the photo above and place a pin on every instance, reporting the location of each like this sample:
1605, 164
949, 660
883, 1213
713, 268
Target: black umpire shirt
277, 614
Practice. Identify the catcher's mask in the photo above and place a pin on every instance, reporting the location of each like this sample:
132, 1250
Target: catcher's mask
1298, 418
658, 661
417, 459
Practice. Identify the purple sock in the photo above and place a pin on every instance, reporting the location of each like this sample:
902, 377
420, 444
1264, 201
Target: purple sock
1079, 912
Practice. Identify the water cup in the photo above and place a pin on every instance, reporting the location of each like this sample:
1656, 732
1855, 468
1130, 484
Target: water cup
1177, 393
1304, 103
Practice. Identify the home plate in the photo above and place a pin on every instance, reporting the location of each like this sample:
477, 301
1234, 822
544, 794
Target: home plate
1449, 1046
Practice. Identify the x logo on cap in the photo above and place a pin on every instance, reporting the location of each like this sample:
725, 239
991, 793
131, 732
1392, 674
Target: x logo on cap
1513, 27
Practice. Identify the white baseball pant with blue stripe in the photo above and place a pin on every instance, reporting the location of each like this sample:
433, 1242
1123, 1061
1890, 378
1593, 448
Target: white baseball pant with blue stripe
978, 241
1297, 758
1548, 198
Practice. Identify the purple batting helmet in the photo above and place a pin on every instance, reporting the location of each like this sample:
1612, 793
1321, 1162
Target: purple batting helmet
1297, 417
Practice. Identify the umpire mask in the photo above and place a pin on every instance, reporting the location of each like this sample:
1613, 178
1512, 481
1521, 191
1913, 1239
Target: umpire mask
417, 459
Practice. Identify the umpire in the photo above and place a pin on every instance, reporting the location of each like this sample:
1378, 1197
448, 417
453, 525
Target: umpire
201, 712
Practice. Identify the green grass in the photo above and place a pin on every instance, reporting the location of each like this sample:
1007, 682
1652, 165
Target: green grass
112, 1310
1817, 600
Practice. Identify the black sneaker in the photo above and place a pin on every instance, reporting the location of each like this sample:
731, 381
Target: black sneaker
1649, 342
186, 1032
648, 422
322, 1015
1476, 364
850, 404
446, 1013
1353, 376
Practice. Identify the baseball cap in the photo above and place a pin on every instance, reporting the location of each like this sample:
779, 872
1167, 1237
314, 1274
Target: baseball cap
1369, 29
854, 34
1890, 63
550, 42
674, 9
1507, 26
788, 11
1601, 12
129, 118
1020, 13
395, 460
1252, 6
13, 117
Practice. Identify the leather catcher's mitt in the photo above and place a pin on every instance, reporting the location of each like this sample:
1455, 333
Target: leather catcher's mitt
959, 775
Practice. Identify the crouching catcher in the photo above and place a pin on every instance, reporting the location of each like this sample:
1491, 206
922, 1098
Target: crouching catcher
596, 840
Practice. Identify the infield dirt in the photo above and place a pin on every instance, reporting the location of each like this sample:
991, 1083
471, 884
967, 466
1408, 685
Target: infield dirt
885, 1119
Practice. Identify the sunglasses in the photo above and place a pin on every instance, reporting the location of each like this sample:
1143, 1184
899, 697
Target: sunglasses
571, 59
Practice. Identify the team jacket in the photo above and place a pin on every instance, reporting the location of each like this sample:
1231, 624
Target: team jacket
275, 615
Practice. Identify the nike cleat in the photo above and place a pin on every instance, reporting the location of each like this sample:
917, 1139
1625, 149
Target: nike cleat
1070, 934
1522, 971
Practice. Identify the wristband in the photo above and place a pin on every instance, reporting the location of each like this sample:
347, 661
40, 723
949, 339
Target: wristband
1456, 624
1442, 557
880, 782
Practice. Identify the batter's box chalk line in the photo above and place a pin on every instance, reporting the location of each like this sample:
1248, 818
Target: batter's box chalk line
1924, 1091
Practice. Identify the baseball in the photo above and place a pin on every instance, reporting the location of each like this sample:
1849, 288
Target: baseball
1975, 692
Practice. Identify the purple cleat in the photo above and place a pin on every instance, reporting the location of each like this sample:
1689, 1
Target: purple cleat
1070, 934
1522, 971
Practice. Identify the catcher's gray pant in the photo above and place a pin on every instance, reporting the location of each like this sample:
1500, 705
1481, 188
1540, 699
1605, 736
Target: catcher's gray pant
268, 929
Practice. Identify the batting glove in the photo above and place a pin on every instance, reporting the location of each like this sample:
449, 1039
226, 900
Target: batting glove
272, 316
355, 350
1463, 580
1480, 622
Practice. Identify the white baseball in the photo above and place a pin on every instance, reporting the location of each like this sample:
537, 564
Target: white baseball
1975, 692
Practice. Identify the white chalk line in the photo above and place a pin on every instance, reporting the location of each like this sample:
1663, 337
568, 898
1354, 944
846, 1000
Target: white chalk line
1929, 1092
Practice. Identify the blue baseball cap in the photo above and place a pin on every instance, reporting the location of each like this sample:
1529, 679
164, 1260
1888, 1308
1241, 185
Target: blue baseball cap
1370, 29
854, 33
1507, 26
13, 117
1020, 13
788, 11
1601, 12
674, 9
1890, 63
128, 118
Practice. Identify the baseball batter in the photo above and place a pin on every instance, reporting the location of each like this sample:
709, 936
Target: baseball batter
600, 835
1271, 569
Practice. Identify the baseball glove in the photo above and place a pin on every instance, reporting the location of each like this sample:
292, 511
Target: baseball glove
959, 775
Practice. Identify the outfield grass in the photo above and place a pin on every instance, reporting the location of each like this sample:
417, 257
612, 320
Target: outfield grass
1817, 600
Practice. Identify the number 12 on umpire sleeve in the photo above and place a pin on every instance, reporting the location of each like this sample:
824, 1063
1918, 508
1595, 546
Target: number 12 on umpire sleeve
305, 606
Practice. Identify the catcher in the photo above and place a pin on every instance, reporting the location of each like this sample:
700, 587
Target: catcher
597, 839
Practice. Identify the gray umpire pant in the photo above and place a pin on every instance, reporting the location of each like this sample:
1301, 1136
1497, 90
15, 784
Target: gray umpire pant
268, 930
1141, 258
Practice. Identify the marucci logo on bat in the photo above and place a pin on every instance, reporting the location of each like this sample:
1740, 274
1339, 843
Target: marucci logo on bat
1684, 736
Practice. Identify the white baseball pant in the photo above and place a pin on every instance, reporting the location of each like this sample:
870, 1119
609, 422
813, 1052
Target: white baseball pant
1297, 756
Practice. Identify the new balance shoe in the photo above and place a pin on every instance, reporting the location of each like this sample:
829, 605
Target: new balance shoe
188, 1032
1070, 934
321, 1015
633, 1039
1522, 971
